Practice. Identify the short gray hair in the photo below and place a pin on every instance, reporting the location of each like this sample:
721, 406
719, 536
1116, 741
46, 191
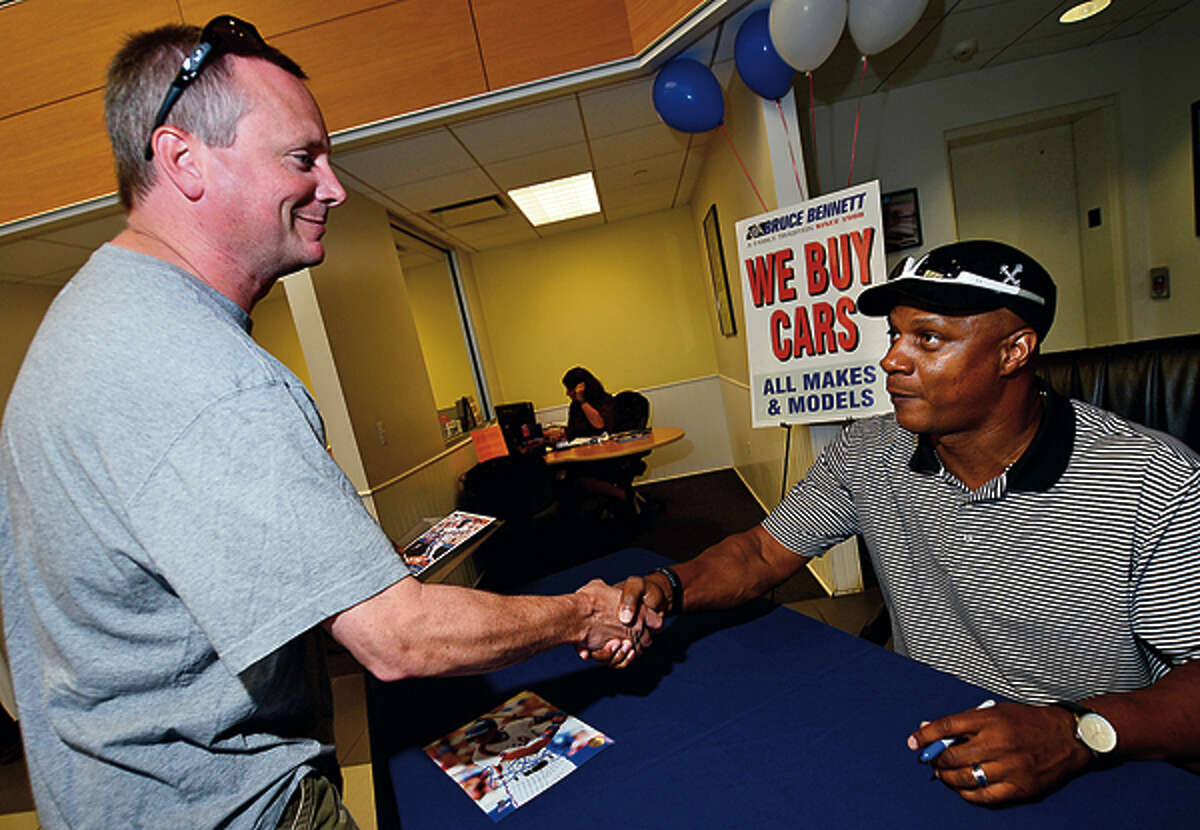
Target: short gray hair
138, 78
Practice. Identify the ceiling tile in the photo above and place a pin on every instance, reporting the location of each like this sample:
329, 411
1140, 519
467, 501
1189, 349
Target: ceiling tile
1049, 26
619, 108
406, 160
522, 132
840, 76
496, 232
656, 195
994, 26
666, 167
444, 190
644, 142
1030, 47
1135, 25
541, 167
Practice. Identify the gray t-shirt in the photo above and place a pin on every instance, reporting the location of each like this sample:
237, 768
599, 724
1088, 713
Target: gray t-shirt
171, 531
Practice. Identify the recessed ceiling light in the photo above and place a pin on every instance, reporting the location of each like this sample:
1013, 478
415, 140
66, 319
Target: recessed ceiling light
557, 200
1082, 11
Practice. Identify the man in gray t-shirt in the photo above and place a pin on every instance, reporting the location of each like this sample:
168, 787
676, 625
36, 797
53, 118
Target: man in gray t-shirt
172, 529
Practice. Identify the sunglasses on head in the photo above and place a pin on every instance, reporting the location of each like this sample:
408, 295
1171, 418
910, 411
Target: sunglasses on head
224, 35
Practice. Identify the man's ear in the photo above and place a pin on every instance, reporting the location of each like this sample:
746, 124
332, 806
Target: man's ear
1017, 350
174, 158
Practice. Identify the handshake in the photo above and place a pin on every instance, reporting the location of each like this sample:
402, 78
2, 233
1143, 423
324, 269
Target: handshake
624, 618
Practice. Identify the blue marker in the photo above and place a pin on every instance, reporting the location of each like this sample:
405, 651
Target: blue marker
936, 748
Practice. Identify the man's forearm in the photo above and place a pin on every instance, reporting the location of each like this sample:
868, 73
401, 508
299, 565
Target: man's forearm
736, 570
414, 630
1159, 722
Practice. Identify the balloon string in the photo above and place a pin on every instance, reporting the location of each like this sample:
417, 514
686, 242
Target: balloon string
812, 124
725, 133
857, 116
791, 152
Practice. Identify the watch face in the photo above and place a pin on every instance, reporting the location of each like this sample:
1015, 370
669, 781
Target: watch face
1097, 733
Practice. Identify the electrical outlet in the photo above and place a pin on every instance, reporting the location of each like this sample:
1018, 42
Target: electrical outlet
749, 449
1160, 283
381, 433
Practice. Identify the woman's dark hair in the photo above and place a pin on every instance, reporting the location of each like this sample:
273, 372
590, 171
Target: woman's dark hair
593, 389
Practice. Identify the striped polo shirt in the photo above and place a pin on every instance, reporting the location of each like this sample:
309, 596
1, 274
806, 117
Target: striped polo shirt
1073, 573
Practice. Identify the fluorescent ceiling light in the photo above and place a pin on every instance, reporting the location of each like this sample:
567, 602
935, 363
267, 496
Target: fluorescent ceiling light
557, 200
1083, 11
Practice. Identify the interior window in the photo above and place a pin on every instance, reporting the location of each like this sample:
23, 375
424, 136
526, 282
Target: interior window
443, 326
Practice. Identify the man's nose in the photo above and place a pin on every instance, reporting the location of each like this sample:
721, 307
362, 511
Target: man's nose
330, 190
894, 360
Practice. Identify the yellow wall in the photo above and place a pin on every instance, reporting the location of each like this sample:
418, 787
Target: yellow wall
275, 331
370, 329
435, 311
626, 300
757, 453
21, 312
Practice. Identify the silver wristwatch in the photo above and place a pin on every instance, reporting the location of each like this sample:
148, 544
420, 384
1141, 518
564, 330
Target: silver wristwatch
1092, 728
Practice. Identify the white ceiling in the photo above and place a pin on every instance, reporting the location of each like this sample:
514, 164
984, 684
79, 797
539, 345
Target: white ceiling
640, 165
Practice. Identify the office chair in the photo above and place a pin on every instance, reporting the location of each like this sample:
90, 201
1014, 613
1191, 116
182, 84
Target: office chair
631, 411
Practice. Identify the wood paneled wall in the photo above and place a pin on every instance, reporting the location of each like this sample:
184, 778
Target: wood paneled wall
548, 37
650, 19
368, 60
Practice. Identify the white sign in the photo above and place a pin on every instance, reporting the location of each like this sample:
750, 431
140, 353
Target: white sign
813, 356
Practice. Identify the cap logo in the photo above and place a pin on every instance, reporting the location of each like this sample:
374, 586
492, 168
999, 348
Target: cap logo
1010, 275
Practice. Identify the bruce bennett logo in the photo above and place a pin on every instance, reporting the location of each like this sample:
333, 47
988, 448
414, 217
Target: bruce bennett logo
833, 209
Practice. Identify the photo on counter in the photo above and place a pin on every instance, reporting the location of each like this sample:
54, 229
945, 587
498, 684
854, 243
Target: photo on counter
442, 538
512, 753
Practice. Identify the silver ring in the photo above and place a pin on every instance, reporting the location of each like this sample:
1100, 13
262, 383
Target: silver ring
980, 778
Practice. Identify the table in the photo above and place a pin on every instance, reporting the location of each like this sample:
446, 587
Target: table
757, 718
658, 437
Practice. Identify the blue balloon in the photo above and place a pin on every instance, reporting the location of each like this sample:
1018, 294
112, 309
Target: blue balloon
688, 97
757, 61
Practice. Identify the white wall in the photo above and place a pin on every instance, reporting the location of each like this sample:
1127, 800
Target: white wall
1153, 79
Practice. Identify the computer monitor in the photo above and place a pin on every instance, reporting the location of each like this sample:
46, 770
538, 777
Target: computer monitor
518, 424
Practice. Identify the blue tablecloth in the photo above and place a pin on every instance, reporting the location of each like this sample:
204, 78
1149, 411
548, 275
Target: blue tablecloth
756, 718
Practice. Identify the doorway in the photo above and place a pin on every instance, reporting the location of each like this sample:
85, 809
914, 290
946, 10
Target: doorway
1047, 183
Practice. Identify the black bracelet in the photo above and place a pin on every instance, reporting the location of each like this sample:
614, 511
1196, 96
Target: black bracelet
676, 589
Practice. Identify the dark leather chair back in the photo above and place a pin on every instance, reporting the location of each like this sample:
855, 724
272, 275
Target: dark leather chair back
631, 410
1152, 382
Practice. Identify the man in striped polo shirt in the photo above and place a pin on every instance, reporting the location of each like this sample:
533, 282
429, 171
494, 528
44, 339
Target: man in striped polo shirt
1036, 546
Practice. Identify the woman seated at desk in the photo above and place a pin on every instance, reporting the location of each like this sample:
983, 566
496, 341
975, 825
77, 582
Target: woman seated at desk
591, 413
592, 410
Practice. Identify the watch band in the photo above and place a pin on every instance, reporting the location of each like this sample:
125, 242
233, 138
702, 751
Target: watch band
1076, 709
1086, 722
676, 589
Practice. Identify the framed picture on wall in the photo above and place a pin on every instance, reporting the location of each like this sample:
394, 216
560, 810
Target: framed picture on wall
901, 220
716, 268
1196, 163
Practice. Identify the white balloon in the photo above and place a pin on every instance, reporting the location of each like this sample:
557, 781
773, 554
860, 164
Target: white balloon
804, 32
877, 24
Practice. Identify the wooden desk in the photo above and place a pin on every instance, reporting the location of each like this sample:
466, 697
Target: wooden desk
658, 437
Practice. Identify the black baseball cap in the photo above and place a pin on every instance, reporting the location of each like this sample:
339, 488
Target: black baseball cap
968, 277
